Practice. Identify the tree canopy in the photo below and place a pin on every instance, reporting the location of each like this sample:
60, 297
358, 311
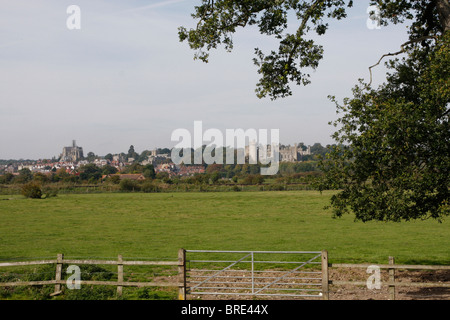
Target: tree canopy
391, 157
392, 161
297, 54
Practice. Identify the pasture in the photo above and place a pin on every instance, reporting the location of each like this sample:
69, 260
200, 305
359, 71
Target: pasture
156, 225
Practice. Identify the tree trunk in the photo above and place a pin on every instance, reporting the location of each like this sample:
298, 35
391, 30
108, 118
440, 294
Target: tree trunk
443, 8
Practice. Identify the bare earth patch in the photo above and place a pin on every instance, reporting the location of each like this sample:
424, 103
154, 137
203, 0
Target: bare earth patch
351, 292
361, 292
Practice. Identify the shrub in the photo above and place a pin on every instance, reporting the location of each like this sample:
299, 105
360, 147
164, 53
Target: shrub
49, 192
115, 179
276, 187
32, 190
236, 188
253, 179
149, 187
129, 185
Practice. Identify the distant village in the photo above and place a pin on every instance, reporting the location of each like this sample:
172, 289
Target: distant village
72, 158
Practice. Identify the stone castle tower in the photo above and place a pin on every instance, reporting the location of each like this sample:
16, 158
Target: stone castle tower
71, 154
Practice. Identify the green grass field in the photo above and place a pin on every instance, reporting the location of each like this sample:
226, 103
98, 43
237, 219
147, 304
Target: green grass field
155, 226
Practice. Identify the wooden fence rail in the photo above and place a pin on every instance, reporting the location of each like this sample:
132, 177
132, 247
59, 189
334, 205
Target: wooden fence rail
392, 283
120, 283
180, 282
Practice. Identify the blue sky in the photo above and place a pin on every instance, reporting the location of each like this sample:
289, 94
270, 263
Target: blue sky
124, 78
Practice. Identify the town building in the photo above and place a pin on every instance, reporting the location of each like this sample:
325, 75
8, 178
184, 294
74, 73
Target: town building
73, 153
286, 153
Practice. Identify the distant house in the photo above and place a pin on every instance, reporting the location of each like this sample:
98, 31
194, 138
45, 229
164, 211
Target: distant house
100, 162
137, 176
191, 170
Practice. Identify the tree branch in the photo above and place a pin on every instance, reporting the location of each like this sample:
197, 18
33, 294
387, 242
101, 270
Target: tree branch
402, 50
299, 32
445, 113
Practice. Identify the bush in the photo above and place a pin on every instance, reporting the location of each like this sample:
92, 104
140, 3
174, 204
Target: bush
32, 190
236, 188
276, 187
253, 179
115, 179
49, 192
149, 187
129, 185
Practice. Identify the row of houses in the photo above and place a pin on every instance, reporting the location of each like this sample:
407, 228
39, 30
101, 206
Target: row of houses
68, 166
73, 167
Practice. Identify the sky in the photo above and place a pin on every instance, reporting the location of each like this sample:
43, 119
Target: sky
124, 78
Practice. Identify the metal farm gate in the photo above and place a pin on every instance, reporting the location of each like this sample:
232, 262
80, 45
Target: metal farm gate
276, 274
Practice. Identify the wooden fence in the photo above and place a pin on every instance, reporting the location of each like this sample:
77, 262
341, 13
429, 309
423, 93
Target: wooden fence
120, 283
392, 284
180, 280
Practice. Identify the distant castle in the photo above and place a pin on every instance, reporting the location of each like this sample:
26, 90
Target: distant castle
286, 153
154, 158
293, 154
72, 153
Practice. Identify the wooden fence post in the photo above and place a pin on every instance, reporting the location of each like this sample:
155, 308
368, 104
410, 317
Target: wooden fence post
392, 279
182, 274
119, 274
59, 263
325, 275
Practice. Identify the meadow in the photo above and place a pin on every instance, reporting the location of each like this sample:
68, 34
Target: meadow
156, 225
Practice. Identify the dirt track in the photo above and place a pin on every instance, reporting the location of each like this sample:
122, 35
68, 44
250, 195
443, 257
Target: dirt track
361, 292
348, 292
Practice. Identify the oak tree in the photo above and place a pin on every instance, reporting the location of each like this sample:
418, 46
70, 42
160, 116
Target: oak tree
391, 159
297, 54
